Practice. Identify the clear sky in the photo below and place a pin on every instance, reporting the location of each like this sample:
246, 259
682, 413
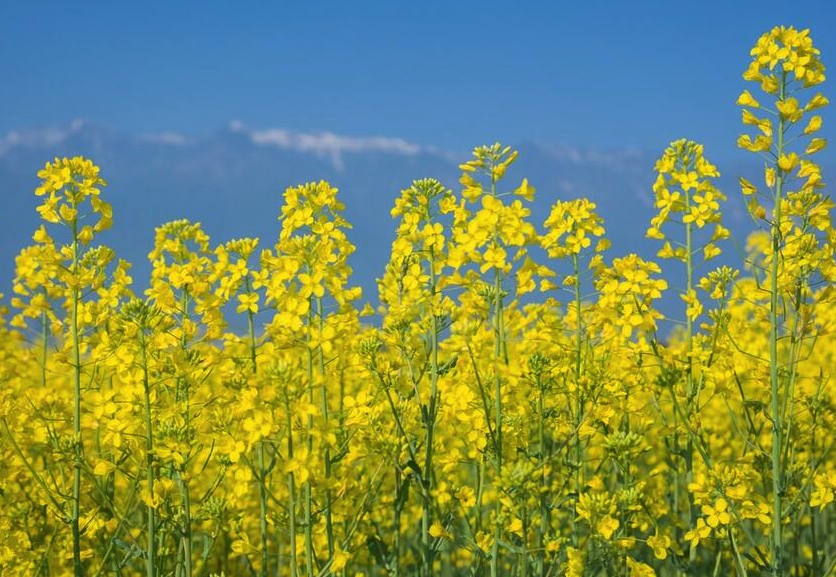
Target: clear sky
454, 74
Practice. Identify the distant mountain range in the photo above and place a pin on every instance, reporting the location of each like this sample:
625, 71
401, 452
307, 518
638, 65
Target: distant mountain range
231, 180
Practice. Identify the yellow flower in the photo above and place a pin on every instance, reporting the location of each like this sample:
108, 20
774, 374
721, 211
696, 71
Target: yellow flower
525, 190
788, 162
789, 109
746, 99
339, 560
814, 125
247, 303
659, 544
698, 533
516, 527
638, 569
575, 562
816, 145
607, 526
437, 531
103, 468
710, 251
825, 490
718, 514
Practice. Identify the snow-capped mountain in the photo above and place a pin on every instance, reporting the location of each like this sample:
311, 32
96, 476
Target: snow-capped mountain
231, 180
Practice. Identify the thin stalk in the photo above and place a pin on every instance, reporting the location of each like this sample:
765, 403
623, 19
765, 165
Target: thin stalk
186, 529
78, 568
814, 517
796, 344
262, 471
251, 334
291, 488
44, 347
544, 510
309, 558
122, 521
430, 427
44, 352
186, 539
523, 562
576, 438
689, 372
396, 569
717, 562
480, 489
739, 565
151, 557
409, 444
775, 385
329, 525
48, 491
411, 449
263, 510
499, 337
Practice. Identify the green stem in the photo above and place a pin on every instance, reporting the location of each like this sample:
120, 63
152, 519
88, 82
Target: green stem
78, 568
262, 471
523, 556
396, 569
291, 488
44, 346
544, 484
777, 530
689, 373
578, 401
309, 557
740, 566
499, 338
186, 528
187, 525
329, 524
430, 427
48, 491
151, 557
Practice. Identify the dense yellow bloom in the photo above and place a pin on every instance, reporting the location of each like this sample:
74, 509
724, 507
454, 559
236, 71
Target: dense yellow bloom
572, 226
628, 291
685, 192
248, 416
785, 49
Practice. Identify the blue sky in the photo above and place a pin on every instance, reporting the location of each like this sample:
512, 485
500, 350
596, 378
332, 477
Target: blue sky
453, 74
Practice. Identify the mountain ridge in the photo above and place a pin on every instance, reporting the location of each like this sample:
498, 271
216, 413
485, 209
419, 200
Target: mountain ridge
231, 180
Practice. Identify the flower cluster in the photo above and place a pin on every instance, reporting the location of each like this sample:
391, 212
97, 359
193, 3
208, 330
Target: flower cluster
247, 415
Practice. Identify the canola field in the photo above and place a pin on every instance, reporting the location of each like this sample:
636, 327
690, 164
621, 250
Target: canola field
509, 406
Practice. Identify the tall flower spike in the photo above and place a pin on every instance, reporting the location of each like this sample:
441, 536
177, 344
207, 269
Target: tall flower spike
685, 194
684, 191
67, 184
571, 227
414, 308
785, 63
405, 286
497, 234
